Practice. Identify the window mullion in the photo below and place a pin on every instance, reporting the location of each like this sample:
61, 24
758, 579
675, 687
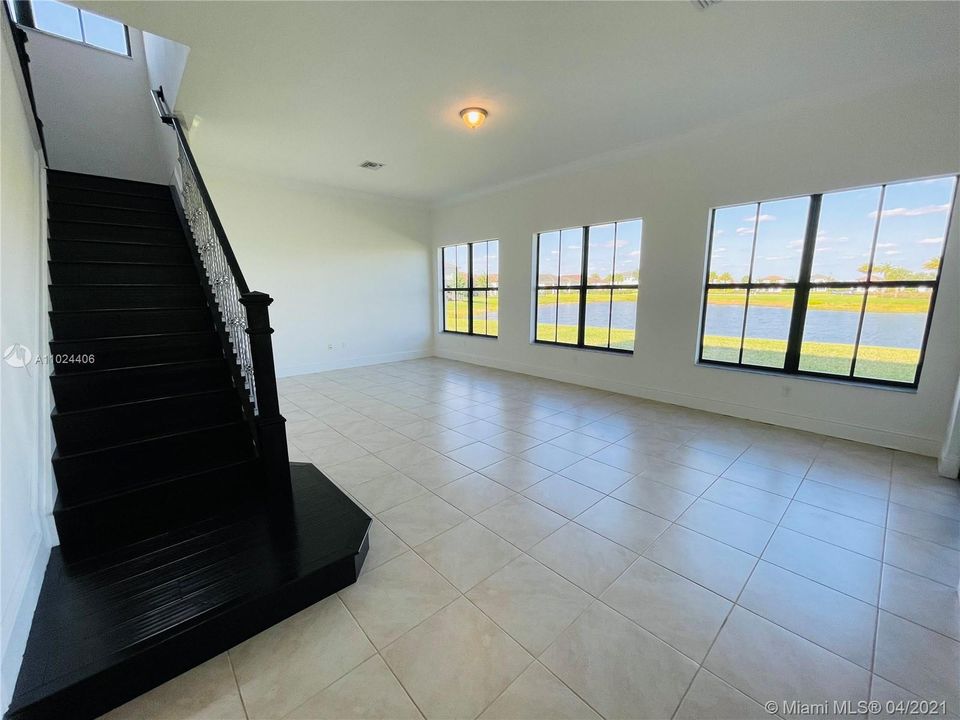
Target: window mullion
83, 33
801, 293
581, 325
470, 288
866, 288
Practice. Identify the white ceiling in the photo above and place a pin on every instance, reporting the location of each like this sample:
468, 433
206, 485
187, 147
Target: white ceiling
309, 90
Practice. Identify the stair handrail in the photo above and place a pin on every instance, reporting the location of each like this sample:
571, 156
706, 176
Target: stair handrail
244, 313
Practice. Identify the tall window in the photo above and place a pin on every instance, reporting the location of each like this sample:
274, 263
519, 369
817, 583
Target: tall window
587, 283
73, 23
838, 285
471, 276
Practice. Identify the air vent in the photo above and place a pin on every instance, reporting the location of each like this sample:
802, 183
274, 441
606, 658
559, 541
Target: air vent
371, 165
704, 4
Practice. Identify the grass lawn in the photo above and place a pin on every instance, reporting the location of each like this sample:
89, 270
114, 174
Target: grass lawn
593, 336
907, 301
879, 363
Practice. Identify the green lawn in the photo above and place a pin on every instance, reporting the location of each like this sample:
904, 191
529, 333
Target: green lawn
593, 336
880, 363
906, 301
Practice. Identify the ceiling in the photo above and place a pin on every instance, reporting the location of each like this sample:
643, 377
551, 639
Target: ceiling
309, 90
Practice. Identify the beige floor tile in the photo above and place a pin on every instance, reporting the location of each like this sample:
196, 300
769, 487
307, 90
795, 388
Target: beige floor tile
862, 507
681, 477
624, 524
384, 545
747, 499
678, 611
387, 491
512, 442
919, 660
563, 496
456, 663
829, 472
596, 475
207, 691
605, 431
422, 518
368, 692
290, 662
654, 497
542, 431
629, 459
515, 473
703, 460
444, 440
538, 695
531, 602
474, 493
924, 525
584, 558
835, 621
551, 457
762, 478
580, 443
394, 597
354, 472
621, 670
928, 500
710, 698
477, 455
521, 521
777, 458
436, 472
769, 663
848, 572
408, 455
846, 532
715, 565
742, 531
895, 702
467, 553
648, 445
923, 558
921, 600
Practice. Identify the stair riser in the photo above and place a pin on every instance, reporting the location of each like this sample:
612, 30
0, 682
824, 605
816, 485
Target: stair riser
108, 323
94, 527
117, 424
126, 352
70, 230
80, 297
121, 216
73, 250
57, 193
83, 477
106, 274
79, 392
96, 182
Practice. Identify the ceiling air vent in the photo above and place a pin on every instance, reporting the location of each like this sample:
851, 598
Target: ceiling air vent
371, 165
704, 4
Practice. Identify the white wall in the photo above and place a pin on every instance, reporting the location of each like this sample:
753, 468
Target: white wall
166, 61
807, 147
95, 106
344, 269
26, 489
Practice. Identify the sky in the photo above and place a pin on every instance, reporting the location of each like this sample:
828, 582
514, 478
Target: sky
614, 248
913, 223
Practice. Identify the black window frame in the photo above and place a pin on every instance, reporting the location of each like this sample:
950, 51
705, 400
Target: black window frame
23, 10
803, 286
471, 289
582, 288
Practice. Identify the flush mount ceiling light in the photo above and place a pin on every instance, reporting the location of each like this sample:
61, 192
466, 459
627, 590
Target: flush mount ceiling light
473, 117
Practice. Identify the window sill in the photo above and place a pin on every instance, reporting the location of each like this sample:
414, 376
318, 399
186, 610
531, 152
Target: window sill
603, 351
862, 384
454, 333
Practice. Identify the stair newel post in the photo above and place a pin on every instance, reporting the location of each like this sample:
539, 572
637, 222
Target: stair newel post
271, 433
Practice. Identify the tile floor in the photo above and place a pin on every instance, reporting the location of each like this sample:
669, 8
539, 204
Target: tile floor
542, 550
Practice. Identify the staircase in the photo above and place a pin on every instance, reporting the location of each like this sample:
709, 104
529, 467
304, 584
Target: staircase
150, 430
183, 529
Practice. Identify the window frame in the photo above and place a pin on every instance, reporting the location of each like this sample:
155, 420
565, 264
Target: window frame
803, 286
470, 289
23, 10
583, 288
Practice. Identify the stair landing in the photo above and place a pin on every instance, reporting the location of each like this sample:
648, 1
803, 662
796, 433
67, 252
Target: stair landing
111, 627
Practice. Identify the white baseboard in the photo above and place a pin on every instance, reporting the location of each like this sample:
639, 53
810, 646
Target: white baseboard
18, 615
949, 466
349, 362
833, 428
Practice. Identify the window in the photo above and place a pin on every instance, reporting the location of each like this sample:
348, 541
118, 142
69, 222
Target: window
838, 285
587, 283
471, 276
75, 24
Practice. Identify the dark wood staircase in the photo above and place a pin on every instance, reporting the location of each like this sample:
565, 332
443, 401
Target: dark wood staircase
177, 542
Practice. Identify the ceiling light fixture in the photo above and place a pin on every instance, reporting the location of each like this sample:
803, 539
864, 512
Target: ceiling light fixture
473, 117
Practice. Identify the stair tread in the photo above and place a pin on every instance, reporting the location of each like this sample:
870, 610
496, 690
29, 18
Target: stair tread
116, 262
56, 412
187, 596
142, 335
179, 308
107, 448
74, 203
101, 241
182, 363
114, 223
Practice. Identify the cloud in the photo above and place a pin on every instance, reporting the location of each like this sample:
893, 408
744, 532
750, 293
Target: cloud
824, 250
718, 250
777, 257
886, 245
635, 253
744, 231
892, 252
913, 212
720, 232
795, 243
763, 217
930, 241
